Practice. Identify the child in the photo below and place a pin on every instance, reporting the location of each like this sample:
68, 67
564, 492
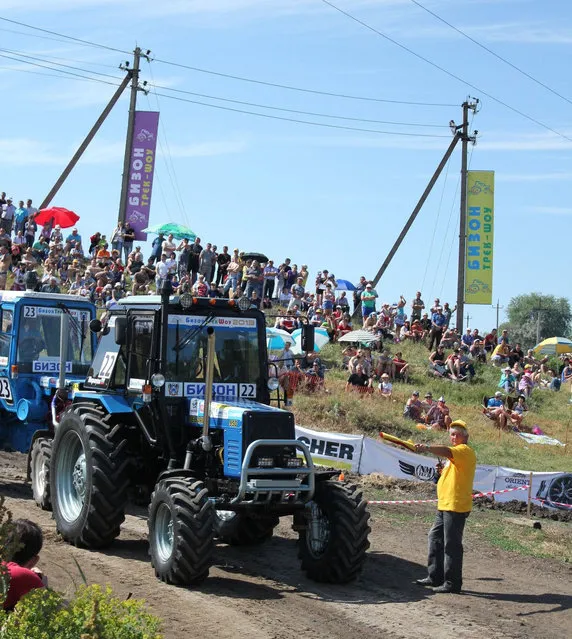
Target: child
385, 386
22, 573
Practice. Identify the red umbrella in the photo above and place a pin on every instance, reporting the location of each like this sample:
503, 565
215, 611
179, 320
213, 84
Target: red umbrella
57, 215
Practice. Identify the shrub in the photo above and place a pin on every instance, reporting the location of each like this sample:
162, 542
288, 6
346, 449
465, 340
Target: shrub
93, 613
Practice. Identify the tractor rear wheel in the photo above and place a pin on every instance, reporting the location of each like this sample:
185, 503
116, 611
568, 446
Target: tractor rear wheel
88, 477
239, 529
40, 457
333, 543
181, 531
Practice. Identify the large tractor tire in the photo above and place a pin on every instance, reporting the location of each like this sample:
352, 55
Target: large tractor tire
88, 477
333, 544
239, 529
40, 457
181, 531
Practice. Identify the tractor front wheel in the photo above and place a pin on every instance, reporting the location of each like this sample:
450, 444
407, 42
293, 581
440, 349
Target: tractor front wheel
181, 531
333, 543
88, 477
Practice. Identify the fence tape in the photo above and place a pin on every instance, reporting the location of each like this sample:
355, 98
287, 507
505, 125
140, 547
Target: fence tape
428, 501
551, 503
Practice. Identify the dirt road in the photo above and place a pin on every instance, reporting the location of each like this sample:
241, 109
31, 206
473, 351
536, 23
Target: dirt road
261, 593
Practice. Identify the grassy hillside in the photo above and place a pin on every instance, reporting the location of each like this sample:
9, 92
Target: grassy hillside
338, 411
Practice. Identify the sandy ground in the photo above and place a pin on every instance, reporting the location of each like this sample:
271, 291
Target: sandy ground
261, 592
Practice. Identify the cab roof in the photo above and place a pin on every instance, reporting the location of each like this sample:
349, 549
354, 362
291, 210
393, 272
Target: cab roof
16, 296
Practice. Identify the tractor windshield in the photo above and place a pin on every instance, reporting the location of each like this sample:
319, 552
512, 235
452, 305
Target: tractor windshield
39, 340
237, 357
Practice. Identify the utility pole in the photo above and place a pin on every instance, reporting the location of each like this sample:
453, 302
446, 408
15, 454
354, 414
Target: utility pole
468, 318
498, 307
134, 73
465, 139
538, 309
83, 146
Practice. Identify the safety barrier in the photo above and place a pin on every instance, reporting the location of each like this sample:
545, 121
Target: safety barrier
428, 501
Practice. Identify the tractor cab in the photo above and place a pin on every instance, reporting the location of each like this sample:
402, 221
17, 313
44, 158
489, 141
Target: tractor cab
30, 343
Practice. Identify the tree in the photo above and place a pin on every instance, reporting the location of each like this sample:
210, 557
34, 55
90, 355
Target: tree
529, 313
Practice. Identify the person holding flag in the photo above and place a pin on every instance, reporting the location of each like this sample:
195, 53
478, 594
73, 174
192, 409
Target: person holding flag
455, 501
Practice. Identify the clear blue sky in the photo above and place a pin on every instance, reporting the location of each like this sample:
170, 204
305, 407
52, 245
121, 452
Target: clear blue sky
330, 198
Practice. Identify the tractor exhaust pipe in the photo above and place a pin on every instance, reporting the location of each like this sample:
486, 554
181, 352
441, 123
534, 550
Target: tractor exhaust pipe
209, 375
64, 343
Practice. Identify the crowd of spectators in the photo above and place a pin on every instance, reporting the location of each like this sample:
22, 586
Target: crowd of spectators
104, 270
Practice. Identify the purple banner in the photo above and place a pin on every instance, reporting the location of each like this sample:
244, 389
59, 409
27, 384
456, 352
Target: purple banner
141, 170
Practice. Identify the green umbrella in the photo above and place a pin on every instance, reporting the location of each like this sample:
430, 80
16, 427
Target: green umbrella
179, 231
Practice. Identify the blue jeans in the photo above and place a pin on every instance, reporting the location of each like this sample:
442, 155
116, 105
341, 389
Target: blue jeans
445, 561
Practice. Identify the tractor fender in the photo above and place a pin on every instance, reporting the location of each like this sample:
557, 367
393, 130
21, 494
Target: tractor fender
113, 404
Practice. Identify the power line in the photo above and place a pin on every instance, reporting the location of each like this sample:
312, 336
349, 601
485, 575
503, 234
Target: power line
285, 119
59, 64
301, 89
443, 70
212, 97
493, 53
218, 106
67, 37
43, 66
311, 113
234, 77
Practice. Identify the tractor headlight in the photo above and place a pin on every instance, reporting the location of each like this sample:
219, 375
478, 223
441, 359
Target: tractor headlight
158, 380
266, 462
273, 383
186, 300
244, 303
294, 462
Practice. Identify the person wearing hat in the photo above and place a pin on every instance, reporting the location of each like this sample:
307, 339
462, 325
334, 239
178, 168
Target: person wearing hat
454, 504
507, 380
413, 408
495, 410
7, 215
368, 297
385, 386
437, 416
428, 401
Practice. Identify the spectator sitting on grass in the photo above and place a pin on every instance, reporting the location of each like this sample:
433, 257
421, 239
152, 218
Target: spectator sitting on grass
491, 341
518, 410
359, 360
22, 571
344, 327
437, 416
500, 354
466, 363
385, 365
437, 362
477, 351
401, 367
385, 387
507, 381
526, 383
358, 381
413, 408
495, 410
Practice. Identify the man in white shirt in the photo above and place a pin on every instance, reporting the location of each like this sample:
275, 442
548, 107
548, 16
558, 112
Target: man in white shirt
7, 215
162, 270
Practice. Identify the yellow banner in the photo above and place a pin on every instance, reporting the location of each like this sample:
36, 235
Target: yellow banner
479, 233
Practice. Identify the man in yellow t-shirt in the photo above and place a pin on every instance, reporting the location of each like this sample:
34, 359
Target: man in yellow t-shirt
454, 493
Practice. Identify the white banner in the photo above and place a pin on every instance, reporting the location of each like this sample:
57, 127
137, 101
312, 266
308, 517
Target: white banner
363, 455
333, 449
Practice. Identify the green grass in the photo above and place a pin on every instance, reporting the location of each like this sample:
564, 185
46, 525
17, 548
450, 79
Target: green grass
552, 541
338, 411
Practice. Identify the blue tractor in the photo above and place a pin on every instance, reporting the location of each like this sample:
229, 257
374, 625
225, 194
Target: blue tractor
175, 410
30, 373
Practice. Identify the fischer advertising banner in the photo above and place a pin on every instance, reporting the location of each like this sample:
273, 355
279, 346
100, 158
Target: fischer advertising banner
333, 449
141, 171
364, 455
480, 235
